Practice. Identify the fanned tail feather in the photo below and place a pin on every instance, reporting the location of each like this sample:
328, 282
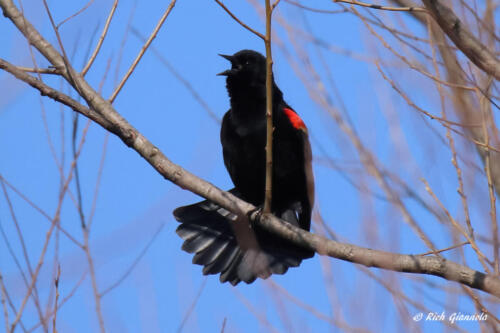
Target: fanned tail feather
207, 231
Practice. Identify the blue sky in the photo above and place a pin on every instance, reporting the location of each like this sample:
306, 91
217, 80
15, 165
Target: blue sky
134, 202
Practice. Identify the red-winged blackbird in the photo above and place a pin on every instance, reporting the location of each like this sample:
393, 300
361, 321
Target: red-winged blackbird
221, 244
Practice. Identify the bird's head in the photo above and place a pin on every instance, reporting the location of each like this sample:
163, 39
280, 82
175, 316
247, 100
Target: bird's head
247, 68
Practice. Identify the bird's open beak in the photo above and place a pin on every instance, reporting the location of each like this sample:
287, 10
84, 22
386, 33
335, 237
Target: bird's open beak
227, 57
225, 73
229, 71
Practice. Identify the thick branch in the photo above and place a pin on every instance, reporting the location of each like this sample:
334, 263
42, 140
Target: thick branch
56, 95
391, 261
32, 35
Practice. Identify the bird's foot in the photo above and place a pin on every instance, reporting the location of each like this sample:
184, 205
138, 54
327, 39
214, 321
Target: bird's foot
254, 215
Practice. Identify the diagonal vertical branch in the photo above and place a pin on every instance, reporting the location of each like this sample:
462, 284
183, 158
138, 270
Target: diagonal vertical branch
4, 303
239, 21
269, 112
491, 191
35, 294
101, 39
142, 51
269, 95
56, 283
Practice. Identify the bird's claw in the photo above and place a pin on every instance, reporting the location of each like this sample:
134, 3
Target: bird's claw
254, 215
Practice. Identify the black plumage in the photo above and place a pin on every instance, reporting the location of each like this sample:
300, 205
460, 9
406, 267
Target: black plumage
221, 242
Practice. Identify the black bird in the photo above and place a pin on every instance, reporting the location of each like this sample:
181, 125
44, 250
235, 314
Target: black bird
237, 251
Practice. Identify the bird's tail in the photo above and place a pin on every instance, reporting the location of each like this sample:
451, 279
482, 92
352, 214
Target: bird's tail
224, 245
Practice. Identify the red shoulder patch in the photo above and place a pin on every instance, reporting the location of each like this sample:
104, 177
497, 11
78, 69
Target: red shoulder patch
295, 119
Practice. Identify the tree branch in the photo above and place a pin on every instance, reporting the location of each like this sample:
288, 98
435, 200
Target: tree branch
463, 38
101, 39
56, 95
240, 22
143, 50
379, 7
268, 192
437, 266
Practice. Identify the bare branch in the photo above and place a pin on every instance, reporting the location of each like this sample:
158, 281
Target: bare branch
81, 10
316, 10
445, 249
101, 39
269, 111
45, 90
391, 261
192, 306
373, 6
179, 77
56, 283
463, 38
4, 304
134, 263
239, 21
39, 70
143, 50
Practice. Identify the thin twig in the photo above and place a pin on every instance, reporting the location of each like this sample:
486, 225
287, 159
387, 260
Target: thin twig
19, 232
192, 306
134, 263
93, 279
56, 283
373, 6
239, 21
276, 3
223, 325
316, 10
77, 173
63, 301
482, 258
55, 221
65, 58
44, 249
98, 180
312, 310
491, 193
444, 250
179, 77
87, 5
54, 94
14, 257
444, 122
142, 51
101, 39
4, 304
451, 141
39, 70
